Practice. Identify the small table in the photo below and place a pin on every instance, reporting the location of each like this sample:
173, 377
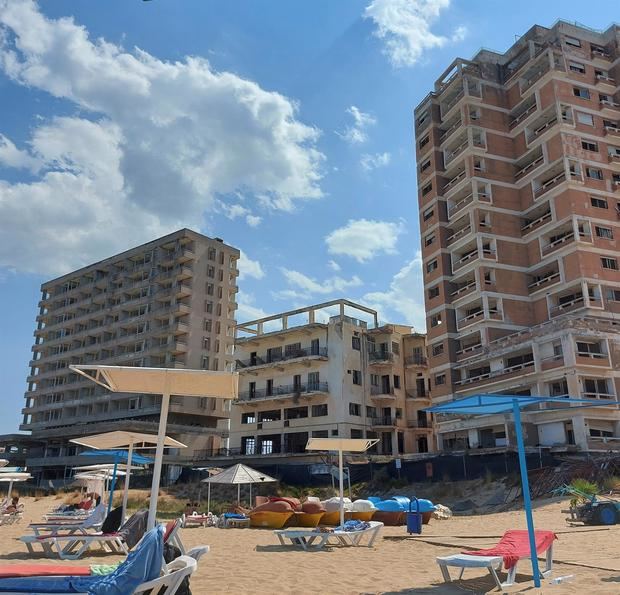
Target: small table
237, 523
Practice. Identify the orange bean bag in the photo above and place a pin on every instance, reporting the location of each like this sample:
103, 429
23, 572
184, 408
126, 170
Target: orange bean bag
312, 507
294, 503
279, 506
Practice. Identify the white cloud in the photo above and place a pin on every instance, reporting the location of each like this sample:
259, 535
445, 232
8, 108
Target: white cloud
236, 210
313, 287
246, 309
364, 239
370, 162
356, 133
162, 141
334, 266
249, 268
404, 300
253, 220
405, 28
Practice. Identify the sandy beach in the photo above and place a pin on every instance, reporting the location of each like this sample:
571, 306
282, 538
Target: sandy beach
252, 561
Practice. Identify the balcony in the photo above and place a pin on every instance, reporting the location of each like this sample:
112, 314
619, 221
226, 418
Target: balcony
297, 354
598, 396
462, 202
552, 362
598, 53
536, 222
588, 358
568, 306
382, 392
464, 289
612, 130
380, 357
420, 424
529, 167
543, 280
478, 316
461, 233
415, 360
522, 114
452, 152
453, 126
384, 422
516, 370
417, 395
285, 391
562, 239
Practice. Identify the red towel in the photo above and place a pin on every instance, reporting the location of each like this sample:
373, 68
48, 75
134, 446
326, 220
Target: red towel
30, 570
515, 545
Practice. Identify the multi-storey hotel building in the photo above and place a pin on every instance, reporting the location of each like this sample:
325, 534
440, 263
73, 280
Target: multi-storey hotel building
167, 303
518, 162
305, 373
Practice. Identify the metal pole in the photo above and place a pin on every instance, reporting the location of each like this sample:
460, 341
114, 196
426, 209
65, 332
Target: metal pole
341, 487
159, 455
239, 494
113, 484
209, 497
10, 490
250, 495
526, 492
126, 489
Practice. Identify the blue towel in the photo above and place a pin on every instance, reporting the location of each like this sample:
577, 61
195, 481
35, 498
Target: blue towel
234, 515
354, 525
142, 565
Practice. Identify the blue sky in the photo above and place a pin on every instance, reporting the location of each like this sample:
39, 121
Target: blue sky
282, 127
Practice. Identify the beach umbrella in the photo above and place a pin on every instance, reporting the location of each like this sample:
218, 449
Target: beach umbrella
489, 404
121, 439
341, 445
13, 477
4, 462
237, 475
165, 382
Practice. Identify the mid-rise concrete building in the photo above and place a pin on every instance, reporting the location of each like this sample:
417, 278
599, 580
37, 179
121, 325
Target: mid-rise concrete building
167, 303
518, 161
305, 373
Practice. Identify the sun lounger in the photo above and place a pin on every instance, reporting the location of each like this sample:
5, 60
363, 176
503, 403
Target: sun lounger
89, 524
139, 574
72, 546
351, 534
513, 546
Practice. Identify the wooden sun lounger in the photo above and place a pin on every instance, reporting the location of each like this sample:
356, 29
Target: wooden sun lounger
310, 539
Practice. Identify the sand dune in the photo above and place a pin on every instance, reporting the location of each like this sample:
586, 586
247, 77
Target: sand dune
252, 561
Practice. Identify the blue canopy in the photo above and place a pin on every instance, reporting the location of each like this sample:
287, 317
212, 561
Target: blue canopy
487, 404
119, 456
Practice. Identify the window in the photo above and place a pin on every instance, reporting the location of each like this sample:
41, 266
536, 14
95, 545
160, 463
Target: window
296, 413
604, 232
428, 214
205, 362
609, 263
395, 348
435, 320
355, 409
319, 410
440, 379
424, 141
433, 292
292, 350
584, 348
211, 253
429, 239
425, 166
572, 41
478, 164
210, 271
613, 295
599, 203
248, 445
581, 93
320, 433
437, 349
269, 387
248, 418
210, 288
335, 432
273, 415
594, 173
426, 189
422, 117
577, 67
357, 377
313, 381
356, 343
597, 386
371, 412
374, 379
209, 307
588, 146
396, 381
586, 119
356, 433
431, 266
474, 114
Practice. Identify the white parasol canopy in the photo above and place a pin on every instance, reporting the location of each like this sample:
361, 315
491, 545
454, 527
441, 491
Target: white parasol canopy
165, 382
341, 445
4, 462
13, 477
124, 439
237, 475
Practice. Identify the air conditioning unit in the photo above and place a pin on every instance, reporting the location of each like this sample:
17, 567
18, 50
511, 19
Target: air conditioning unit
286, 423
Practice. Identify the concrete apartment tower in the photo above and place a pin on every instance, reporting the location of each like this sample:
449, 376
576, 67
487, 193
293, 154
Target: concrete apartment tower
167, 303
305, 374
518, 161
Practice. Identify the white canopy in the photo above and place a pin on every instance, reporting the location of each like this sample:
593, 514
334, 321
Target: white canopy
12, 477
123, 439
105, 467
4, 462
164, 382
237, 475
340, 445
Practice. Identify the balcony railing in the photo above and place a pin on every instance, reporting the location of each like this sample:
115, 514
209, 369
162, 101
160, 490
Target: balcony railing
464, 289
416, 360
446, 133
529, 167
383, 421
454, 181
271, 359
382, 390
417, 394
419, 423
284, 390
543, 281
528, 227
496, 373
375, 357
458, 234
522, 116
603, 396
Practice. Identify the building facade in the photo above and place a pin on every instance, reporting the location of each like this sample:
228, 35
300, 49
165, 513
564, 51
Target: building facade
167, 303
518, 162
307, 374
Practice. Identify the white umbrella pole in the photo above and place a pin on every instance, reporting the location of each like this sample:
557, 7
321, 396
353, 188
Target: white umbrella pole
209, 498
10, 490
341, 487
239, 494
159, 455
126, 489
250, 495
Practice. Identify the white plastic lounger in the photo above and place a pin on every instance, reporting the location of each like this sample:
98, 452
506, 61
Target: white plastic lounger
494, 563
311, 539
